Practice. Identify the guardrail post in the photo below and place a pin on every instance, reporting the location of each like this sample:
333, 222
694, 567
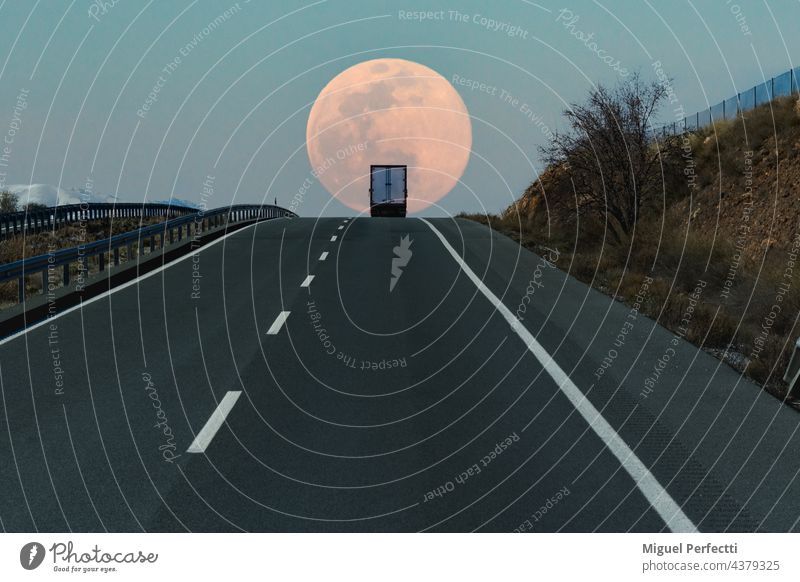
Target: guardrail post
793, 369
116, 256
101, 261
21, 289
65, 278
45, 280
152, 243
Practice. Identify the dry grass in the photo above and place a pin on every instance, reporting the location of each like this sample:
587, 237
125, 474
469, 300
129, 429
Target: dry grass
18, 247
719, 149
677, 261
677, 253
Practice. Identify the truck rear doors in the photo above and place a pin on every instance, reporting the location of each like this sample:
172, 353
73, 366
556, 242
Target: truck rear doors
388, 190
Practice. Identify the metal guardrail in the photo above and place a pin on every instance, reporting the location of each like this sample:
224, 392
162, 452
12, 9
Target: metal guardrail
153, 237
780, 86
52, 218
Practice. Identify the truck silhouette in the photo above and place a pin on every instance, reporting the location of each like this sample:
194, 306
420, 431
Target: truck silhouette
388, 190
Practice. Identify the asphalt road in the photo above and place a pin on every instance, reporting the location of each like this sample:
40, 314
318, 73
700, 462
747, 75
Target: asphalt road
257, 386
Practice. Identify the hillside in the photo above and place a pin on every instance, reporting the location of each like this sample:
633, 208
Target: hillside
728, 222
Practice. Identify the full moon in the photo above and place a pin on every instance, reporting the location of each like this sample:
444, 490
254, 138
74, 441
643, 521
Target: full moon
388, 111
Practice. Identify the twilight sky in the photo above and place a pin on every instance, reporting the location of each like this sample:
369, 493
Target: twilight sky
149, 99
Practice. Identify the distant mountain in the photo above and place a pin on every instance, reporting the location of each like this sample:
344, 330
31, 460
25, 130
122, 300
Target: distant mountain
49, 195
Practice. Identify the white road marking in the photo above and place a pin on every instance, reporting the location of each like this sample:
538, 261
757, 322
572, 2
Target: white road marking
323, 256
278, 323
307, 281
333, 238
205, 436
125, 285
656, 495
341, 227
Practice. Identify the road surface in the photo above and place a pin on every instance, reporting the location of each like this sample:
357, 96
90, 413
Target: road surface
279, 381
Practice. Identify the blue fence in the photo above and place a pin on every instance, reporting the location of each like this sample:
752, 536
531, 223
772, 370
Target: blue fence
780, 86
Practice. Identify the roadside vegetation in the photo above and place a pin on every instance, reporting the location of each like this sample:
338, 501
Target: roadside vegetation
723, 212
17, 247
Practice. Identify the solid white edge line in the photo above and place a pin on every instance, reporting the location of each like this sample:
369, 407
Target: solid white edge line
333, 238
217, 419
656, 495
323, 256
123, 286
307, 281
278, 323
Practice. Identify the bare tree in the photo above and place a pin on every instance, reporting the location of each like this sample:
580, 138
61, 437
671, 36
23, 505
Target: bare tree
609, 152
8, 201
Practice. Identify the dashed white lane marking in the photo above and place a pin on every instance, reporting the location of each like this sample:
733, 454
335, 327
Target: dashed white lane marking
323, 256
130, 283
307, 281
341, 227
278, 323
333, 238
206, 435
656, 495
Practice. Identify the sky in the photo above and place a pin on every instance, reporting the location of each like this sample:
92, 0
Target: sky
152, 100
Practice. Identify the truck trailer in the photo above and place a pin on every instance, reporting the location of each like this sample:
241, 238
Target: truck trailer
388, 190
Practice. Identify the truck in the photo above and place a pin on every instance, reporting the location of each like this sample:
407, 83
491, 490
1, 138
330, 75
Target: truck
388, 190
